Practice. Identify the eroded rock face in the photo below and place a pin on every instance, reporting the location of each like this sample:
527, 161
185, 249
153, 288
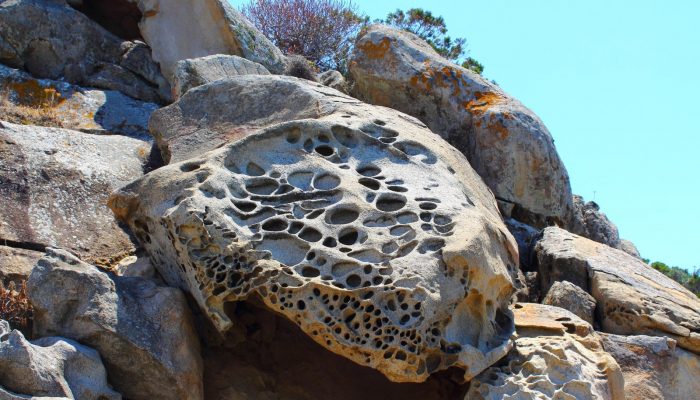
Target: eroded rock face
654, 368
566, 295
199, 71
556, 356
371, 234
506, 143
16, 264
50, 367
632, 298
84, 109
144, 332
333, 79
193, 29
590, 222
49, 39
54, 184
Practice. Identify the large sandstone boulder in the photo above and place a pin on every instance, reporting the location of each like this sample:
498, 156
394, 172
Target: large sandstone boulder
506, 143
632, 298
654, 368
199, 71
144, 332
193, 29
566, 295
50, 367
369, 232
54, 184
49, 39
73, 107
556, 356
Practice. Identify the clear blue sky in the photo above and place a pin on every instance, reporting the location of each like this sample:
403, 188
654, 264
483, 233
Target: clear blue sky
617, 84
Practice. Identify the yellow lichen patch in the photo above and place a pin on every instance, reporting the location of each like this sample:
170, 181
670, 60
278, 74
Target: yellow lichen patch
32, 93
499, 129
375, 50
482, 101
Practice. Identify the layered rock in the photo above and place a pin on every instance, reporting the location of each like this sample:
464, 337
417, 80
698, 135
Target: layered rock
54, 186
49, 39
566, 295
50, 367
506, 143
144, 332
556, 356
632, 298
654, 368
199, 71
84, 109
370, 233
194, 29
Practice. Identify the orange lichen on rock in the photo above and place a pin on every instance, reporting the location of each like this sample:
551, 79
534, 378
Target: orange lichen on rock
32, 93
445, 77
482, 101
376, 51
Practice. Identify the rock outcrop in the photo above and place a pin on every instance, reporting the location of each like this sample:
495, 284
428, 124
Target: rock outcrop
589, 222
144, 332
196, 29
506, 143
199, 71
654, 368
50, 367
632, 298
333, 79
85, 109
566, 295
54, 184
371, 233
49, 39
16, 264
556, 356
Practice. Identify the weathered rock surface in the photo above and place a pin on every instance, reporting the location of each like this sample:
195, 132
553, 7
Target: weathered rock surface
654, 368
556, 356
144, 332
333, 79
589, 222
526, 237
566, 295
199, 71
629, 248
50, 367
49, 39
506, 143
16, 264
632, 298
372, 234
54, 184
84, 109
196, 29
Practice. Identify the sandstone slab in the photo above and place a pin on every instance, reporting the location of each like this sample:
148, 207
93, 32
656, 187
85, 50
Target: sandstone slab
199, 71
144, 332
556, 356
566, 295
505, 142
632, 298
55, 184
370, 233
16, 264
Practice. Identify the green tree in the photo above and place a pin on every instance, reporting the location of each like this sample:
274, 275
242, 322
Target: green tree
433, 30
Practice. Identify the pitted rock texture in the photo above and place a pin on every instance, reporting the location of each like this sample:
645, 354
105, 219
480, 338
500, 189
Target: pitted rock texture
632, 298
50, 367
144, 332
49, 39
84, 109
372, 235
193, 29
506, 143
199, 71
556, 355
54, 184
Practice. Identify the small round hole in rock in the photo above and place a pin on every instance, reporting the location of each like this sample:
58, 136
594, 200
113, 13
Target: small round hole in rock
324, 150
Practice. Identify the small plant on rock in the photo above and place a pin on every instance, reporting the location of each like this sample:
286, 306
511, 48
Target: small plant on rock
15, 307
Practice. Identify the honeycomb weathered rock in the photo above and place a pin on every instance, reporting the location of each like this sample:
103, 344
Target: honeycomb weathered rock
373, 235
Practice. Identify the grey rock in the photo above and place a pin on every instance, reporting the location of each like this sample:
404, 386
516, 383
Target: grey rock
199, 71
526, 237
505, 142
632, 298
333, 79
54, 186
50, 39
566, 295
50, 367
629, 248
144, 332
589, 222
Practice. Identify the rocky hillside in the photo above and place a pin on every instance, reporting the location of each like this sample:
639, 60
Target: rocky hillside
180, 220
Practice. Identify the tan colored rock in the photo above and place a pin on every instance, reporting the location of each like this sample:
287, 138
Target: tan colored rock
654, 368
333, 79
556, 356
566, 295
16, 264
199, 71
632, 298
370, 233
192, 29
506, 143
55, 184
